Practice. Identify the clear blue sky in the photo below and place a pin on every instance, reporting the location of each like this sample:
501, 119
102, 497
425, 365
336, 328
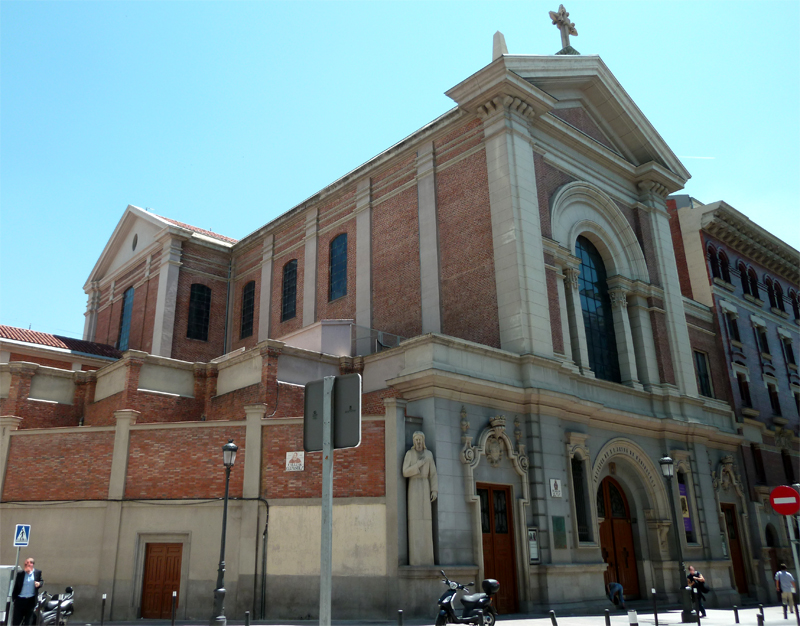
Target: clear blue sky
225, 115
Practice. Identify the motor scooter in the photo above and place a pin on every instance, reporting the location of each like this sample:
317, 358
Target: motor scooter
54, 610
477, 607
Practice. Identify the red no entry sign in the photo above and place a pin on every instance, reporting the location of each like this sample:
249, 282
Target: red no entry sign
784, 500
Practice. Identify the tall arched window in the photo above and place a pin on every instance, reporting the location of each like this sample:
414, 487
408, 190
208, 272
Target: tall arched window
248, 309
795, 304
724, 267
714, 261
289, 300
771, 293
751, 274
601, 342
125, 320
338, 268
199, 312
743, 276
776, 286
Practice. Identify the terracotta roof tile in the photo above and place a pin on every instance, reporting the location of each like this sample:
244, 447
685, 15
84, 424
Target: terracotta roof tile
201, 231
56, 341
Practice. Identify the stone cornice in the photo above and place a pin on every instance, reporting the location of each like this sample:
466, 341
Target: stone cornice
725, 223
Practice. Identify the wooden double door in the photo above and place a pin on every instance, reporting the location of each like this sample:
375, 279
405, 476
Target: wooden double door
616, 537
735, 547
162, 576
497, 528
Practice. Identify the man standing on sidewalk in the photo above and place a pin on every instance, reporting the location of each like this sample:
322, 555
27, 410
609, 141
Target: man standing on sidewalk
784, 583
26, 589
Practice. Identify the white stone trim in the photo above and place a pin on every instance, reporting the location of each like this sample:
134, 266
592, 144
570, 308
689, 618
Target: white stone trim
310, 268
428, 241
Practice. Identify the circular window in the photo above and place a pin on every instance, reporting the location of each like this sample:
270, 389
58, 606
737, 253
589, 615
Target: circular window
135, 241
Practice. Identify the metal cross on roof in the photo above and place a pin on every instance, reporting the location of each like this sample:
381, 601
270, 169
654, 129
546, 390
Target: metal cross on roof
567, 28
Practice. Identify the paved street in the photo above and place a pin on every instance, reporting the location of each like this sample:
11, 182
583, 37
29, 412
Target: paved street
716, 617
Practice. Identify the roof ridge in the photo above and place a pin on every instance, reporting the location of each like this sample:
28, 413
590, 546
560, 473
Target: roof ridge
202, 231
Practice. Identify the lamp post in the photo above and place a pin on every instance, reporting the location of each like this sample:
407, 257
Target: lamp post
668, 471
218, 617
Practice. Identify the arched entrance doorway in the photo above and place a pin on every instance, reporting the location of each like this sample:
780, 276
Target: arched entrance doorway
616, 537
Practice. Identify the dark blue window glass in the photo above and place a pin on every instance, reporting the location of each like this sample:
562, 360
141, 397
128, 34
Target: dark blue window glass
338, 267
125, 320
289, 301
598, 319
199, 312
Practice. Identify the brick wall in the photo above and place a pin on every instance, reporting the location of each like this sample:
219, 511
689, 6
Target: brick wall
183, 463
658, 320
548, 181
468, 287
680, 250
357, 472
59, 466
718, 366
396, 289
64, 365
247, 267
209, 267
580, 119
556, 331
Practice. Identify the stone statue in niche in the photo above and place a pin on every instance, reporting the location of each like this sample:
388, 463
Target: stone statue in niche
423, 488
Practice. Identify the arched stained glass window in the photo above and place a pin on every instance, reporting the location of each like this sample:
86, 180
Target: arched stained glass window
125, 320
598, 319
338, 267
289, 299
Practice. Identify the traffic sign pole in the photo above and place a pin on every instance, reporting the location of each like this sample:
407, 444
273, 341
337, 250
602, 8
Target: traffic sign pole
10, 615
326, 544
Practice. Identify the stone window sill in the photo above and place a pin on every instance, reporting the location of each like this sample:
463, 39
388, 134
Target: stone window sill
792, 367
753, 299
780, 313
724, 284
737, 344
750, 412
766, 357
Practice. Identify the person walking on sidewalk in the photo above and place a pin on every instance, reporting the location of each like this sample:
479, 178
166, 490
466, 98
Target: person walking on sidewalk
784, 583
26, 589
695, 580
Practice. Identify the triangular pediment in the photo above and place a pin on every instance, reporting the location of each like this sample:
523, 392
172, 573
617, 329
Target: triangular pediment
135, 237
581, 88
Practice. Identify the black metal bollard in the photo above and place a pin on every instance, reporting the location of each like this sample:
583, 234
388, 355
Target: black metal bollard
247, 618
553, 618
761, 611
58, 609
400, 617
103, 610
655, 605
174, 602
759, 619
608, 618
696, 605
736, 613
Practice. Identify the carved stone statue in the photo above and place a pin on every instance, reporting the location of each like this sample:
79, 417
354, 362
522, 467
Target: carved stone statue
423, 488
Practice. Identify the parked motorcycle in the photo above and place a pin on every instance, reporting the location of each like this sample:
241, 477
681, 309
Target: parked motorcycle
54, 610
477, 607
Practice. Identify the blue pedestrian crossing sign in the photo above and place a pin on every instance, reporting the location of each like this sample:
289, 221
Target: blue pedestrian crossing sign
22, 535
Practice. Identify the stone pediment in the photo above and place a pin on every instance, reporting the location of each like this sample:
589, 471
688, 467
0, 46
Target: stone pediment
601, 109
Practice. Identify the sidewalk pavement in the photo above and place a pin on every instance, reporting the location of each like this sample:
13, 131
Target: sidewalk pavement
773, 616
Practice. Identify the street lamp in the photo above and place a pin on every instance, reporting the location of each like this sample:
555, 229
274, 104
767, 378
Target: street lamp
218, 617
668, 471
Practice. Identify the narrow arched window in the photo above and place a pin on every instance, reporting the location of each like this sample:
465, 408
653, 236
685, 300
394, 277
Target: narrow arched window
289, 299
338, 268
751, 275
125, 320
724, 267
795, 304
199, 312
744, 279
248, 309
771, 293
776, 286
714, 261
601, 342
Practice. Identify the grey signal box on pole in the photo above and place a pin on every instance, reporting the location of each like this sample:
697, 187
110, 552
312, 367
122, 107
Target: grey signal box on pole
345, 411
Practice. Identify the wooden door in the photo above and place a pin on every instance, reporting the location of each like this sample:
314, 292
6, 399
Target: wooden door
735, 547
497, 526
162, 576
616, 537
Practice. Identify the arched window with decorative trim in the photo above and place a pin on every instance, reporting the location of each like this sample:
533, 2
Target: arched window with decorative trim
724, 267
770, 292
795, 304
743, 277
289, 291
751, 275
338, 267
598, 318
713, 261
776, 286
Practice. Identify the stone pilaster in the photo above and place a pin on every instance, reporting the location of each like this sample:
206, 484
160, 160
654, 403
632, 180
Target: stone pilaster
428, 240
8, 424
622, 331
125, 418
394, 442
92, 306
643, 341
363, 263
577, 330
265, 293
168, 273
310, 269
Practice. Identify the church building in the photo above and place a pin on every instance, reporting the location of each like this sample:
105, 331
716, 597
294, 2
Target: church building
504, 280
